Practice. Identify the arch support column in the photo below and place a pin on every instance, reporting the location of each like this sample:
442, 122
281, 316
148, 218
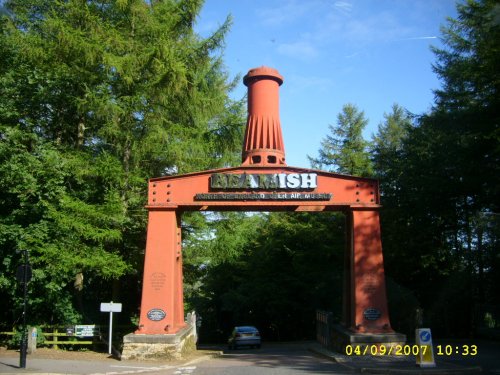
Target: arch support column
162, 304
365, 299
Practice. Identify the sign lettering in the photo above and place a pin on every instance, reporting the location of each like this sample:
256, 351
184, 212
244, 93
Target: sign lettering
263, 197
86, 330
282, 181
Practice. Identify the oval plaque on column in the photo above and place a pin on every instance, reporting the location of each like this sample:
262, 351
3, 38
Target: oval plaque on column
156, 315
372, 313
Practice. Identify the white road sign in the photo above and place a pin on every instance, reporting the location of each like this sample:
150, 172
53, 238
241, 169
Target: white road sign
111, 307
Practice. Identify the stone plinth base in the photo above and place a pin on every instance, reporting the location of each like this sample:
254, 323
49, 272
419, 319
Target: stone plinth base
165, 347
341, 337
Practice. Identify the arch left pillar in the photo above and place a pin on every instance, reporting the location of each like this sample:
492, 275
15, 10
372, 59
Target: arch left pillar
162, 304
162, 331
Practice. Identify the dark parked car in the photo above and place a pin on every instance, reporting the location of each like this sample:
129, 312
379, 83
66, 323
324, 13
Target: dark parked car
244, 336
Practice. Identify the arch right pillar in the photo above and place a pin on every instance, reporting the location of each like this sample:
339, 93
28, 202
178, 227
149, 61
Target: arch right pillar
365, 307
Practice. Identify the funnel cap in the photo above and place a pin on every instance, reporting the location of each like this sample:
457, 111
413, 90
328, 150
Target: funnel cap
263, 72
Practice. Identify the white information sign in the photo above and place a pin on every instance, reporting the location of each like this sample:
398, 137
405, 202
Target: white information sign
85, 330
111, 307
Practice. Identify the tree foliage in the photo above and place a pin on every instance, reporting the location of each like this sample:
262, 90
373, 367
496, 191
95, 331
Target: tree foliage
440, 187
278, 278
96, 97
345, 150
66, 236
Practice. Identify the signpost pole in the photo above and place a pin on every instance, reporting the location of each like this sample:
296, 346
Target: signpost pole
24, 274
111, 308
110, 327
24, 342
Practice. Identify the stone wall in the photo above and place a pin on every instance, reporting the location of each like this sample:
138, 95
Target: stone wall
165, 347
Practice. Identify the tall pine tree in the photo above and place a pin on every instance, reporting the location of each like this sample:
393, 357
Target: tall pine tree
345, 150
96, 97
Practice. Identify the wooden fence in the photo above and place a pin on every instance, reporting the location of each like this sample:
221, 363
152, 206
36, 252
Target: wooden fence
57, 336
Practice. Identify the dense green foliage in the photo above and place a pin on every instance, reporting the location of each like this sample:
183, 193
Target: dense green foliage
97, 96
345, 150
440, 181
275, 275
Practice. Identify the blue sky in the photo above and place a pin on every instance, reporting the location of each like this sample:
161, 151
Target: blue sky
371, 53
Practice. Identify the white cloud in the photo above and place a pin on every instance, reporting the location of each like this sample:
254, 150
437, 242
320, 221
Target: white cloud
343, 6
287, 12
420, 38
360, 28
300, 50
300, 83
327, 24
354, 54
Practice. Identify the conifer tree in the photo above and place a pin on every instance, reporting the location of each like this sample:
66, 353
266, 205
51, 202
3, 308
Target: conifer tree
344, 150
443, 213
96, 97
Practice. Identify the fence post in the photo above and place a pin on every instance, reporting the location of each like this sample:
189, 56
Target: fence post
32, 339
324, 326
55, 338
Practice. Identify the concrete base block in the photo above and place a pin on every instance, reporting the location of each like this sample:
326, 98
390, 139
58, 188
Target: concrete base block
165, 347
341, 337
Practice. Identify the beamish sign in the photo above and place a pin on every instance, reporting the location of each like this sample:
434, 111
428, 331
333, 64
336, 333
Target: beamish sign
272, 181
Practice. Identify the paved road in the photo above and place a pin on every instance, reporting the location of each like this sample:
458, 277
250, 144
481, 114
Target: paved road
272, 359
275, 359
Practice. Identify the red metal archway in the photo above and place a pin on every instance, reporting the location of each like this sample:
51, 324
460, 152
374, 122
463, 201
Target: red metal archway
263, 183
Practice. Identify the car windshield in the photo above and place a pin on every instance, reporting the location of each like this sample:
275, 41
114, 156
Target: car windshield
246, 329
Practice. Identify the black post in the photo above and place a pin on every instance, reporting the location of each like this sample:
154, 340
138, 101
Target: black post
25, 277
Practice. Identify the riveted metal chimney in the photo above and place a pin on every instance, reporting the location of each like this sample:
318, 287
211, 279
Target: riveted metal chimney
263, 145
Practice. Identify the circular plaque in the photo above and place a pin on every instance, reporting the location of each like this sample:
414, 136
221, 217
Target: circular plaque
156, 315
372, 313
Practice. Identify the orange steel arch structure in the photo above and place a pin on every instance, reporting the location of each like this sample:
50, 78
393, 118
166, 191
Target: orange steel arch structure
264, 182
